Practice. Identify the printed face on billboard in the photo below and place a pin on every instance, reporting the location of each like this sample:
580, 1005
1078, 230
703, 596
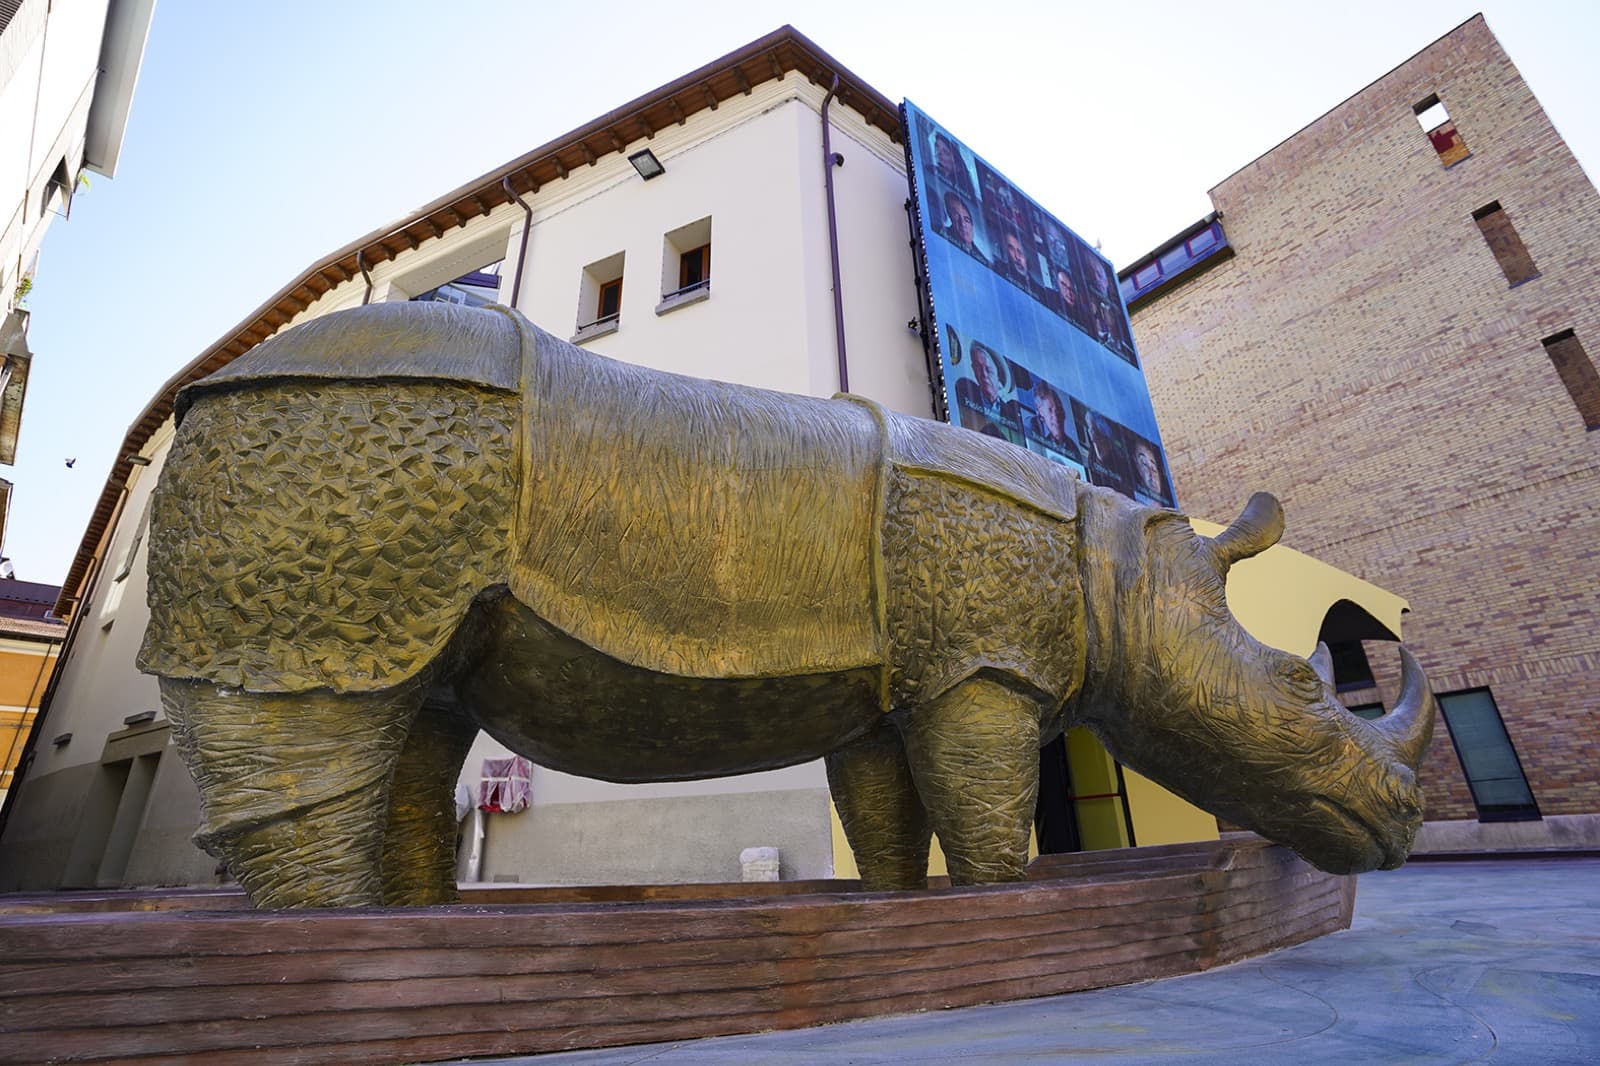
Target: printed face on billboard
1029, 328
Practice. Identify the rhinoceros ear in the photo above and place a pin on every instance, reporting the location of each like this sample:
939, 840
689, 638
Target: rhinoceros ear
1322, 662
1257, 528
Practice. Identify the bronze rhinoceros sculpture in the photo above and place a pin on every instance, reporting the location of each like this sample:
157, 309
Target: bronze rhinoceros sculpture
392, 526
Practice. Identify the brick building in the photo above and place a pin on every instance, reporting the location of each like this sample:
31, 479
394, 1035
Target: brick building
1390, 321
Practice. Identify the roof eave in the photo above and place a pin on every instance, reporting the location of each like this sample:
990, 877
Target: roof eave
1167, 245
767, 58
121, 56
12, 397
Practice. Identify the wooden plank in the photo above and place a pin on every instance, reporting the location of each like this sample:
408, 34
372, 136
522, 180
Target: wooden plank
1078, 864
70, 975
123, 902
494, 895
278, 965
602, 1033
293, 991
582, 969
1293, 921
162, 934
813, 1003
129, 900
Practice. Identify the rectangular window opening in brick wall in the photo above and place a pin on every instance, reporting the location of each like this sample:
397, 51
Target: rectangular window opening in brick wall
1577, 373
1351, 671
1494, 773
1441, 130
1508, 249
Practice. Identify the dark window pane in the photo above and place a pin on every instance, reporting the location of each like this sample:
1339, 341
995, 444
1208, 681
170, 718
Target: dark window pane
1493, 773
1515, 262
1351, 670
1202, 240
695, 266
1577, 373
1502, 792
610, 299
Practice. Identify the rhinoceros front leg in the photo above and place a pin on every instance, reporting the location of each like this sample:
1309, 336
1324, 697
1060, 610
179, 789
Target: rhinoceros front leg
974, 753
419, 844
293, 787
882, 815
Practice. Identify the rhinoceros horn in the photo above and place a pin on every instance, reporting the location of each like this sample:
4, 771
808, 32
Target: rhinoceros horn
1408, 728
1257, 528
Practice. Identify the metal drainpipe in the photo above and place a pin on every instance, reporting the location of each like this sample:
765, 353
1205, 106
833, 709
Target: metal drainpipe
361, 265
828, 163
522, 252
91, 582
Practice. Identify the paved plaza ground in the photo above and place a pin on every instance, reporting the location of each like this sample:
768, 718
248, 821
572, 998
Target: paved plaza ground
1446, 962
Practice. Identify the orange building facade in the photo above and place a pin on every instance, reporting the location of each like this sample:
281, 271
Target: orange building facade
29, 643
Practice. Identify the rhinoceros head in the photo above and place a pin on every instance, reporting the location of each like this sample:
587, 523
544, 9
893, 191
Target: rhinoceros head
1180, 692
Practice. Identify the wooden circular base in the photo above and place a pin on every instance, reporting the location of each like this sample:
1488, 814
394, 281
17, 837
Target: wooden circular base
196, 976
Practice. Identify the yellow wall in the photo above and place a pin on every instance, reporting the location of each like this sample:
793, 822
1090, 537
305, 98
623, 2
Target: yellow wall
844, 860
21, 680
1281, 597
24, 669
1093, 773
1159, 817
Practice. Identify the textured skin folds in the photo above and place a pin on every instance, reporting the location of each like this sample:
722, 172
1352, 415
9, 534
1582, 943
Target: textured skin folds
294, 788
881, 811
344, 558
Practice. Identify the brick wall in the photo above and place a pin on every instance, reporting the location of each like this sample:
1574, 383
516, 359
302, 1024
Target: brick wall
1365, 358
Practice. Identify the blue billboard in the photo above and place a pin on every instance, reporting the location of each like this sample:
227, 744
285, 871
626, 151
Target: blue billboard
1026, 328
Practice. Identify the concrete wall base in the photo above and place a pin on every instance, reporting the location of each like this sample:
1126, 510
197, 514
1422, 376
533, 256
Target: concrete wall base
1561, 832
661, 840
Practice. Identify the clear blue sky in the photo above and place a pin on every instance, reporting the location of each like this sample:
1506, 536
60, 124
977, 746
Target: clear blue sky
264, 136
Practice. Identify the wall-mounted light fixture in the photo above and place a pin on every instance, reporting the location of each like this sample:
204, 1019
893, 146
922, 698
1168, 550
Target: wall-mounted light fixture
137, 460
646, 163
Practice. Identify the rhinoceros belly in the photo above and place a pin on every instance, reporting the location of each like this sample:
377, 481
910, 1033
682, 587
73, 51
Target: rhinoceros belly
572, 708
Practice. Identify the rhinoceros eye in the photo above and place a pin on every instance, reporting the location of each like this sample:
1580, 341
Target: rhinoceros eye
1302, 681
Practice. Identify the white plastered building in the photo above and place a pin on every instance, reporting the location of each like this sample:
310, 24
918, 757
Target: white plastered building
747, 185
67, 74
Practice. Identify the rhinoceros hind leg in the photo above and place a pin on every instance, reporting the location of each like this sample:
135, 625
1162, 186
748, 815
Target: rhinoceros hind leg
419, 843
974, 752
293, 787
881, 812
